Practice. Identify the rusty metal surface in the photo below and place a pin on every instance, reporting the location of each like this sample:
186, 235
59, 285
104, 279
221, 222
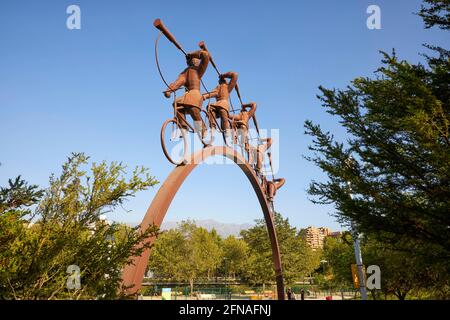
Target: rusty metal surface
133, 274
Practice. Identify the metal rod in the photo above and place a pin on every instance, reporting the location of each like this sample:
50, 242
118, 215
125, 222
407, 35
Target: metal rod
358, 255
202, 45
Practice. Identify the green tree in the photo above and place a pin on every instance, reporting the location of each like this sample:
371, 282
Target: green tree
397, 159
400, 272
399, 142
298, 259
403, 273
186, 254
391, 179
19, 196
206, 251
259, 269
436, 12
235, 254
339, 256
169, 256
42, 233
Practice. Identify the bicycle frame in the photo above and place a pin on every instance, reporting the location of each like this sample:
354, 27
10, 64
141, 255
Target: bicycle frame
180, 119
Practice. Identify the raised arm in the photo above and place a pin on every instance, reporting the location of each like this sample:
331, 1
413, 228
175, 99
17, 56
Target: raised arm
233, 76
252, 107
204, 61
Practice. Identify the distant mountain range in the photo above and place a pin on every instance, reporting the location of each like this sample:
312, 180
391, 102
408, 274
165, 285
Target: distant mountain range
223, 229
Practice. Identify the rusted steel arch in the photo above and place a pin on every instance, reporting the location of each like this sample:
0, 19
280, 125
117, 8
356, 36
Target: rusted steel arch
133, 274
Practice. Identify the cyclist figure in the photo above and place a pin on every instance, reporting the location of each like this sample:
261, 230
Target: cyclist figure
190, 78
273, 186
258, 153
221, 108
241, 122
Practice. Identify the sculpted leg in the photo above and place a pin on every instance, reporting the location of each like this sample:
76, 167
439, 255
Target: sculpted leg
182, 118
199, 125
224, 120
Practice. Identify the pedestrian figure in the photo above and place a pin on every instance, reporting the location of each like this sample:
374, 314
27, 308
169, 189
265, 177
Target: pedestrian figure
290, 294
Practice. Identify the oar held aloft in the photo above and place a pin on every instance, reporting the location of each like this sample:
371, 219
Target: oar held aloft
161, 27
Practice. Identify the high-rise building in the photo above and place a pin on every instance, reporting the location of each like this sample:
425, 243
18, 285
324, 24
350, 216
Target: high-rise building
316, 236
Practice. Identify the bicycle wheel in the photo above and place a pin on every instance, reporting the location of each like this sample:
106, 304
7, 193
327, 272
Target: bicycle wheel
173, 142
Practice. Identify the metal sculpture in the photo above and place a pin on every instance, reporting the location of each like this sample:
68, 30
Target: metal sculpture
257, 154
221, 108
242, 126
250, 160
133, 274
192, 100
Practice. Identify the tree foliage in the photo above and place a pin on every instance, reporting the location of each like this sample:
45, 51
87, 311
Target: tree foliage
298, 259
436, 13
391, 179
235, 254
400, 150
190, 253
43, 232
338, 256
402, 274
186, 254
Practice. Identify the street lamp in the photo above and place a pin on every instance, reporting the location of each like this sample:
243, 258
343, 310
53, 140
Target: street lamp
322, 262
359, 263
356, 245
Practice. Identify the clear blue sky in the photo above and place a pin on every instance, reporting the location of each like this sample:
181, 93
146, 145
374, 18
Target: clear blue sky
97, 90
